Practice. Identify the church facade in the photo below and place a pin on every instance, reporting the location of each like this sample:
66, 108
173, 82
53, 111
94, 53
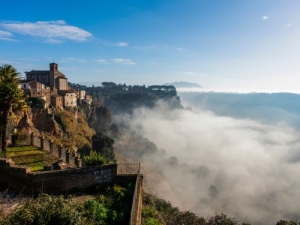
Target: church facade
51, 78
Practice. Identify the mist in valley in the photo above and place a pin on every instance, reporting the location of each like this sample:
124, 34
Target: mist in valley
243, 167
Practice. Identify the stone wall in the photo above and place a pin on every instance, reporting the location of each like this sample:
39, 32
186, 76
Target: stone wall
47, 145
56, 181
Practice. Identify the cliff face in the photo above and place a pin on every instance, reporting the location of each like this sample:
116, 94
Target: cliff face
25, 122
51, 126
44, 121
38, 120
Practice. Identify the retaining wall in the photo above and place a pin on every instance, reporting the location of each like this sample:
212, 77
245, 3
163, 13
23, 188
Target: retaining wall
56, 181
47, 145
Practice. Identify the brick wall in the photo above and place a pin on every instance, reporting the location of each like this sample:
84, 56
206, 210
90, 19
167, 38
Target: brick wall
56, 181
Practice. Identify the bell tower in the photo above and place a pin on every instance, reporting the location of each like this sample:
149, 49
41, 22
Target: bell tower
53, 67
52, 73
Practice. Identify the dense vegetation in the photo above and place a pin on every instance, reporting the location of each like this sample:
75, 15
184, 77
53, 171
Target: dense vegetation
124, 98
103, 151
36, 102
160, 212
104, 146
111, 206
77, 133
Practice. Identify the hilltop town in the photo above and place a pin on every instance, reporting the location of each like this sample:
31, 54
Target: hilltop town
50, 88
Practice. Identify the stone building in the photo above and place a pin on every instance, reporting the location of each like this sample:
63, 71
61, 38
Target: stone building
53, 85
56, 101
69, 98
51, 77
36, 89
82, 94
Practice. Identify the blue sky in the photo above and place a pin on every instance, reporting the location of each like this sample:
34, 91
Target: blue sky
246, 45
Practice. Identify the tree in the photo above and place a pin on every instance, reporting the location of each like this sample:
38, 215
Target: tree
36, 102
9, 93
104, 145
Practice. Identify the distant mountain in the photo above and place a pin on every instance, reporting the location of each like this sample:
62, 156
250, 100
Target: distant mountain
183, 84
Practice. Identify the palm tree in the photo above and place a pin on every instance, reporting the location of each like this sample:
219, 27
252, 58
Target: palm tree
9, 93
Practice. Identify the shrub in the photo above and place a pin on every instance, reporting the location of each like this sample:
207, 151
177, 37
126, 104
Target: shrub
95, 211
47, 210
19, 138
94, 159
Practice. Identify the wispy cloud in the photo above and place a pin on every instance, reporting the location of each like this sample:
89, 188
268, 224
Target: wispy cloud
189, 73
102, 61
160, 48
181, 49
28, 59
67, 68
51, 31
288, 25
265, 18
151, 47
124, 61
72, 59
122, 44
6, 36
5, 61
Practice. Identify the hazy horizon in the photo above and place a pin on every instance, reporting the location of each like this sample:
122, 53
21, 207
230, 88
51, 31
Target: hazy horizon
222, 45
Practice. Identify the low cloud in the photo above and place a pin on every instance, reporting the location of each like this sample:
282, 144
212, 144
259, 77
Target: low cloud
240, 167
124, 61
51, 31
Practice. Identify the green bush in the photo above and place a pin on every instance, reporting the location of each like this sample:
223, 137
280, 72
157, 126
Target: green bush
95, 211
152, 221
47, 210
19, 138
111, 207
94, 159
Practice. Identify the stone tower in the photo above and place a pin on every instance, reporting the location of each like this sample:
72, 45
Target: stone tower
53, 73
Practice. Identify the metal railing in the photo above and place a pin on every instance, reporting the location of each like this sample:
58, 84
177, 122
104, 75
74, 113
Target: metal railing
129, 168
